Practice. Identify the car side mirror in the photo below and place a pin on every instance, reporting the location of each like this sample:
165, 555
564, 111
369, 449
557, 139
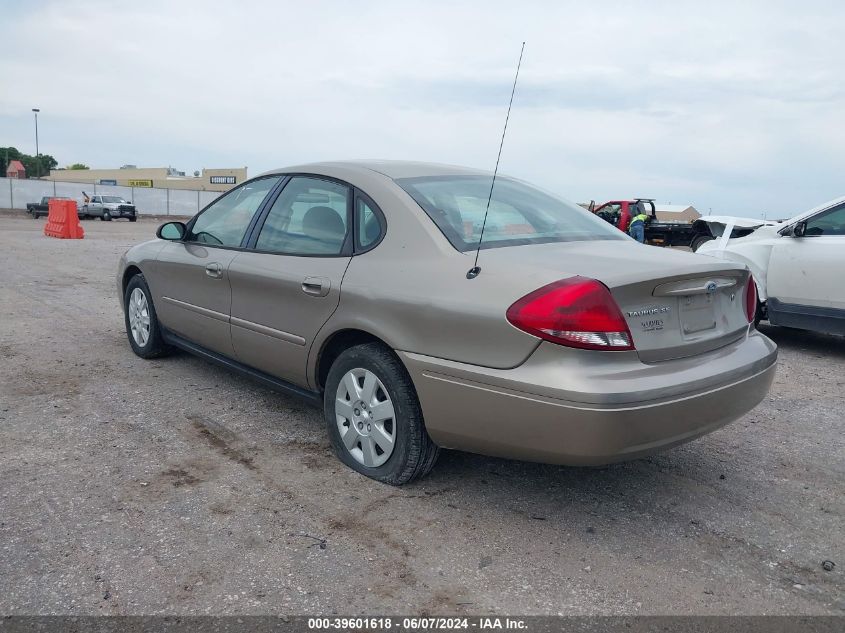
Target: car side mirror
173, 231
799, 229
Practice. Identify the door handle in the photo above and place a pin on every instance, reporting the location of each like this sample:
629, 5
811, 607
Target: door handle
214, 270
316, 286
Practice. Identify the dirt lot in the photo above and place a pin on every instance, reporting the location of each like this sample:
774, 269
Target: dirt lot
174, 486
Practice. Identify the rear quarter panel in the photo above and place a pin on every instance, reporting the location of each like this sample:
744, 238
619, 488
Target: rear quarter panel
749, 251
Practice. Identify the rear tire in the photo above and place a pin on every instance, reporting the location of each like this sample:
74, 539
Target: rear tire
759, 314
412, 453
698, 241
138, 304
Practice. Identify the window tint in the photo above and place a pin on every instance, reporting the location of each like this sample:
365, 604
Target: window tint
226, 220
519, 213
309, 217
369, 225
828, 223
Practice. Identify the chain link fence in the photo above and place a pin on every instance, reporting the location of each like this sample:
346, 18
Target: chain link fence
15, 194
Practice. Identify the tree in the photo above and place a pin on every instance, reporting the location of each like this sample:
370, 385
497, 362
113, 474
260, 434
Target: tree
35, 167
77, 166
40, 166
8, 154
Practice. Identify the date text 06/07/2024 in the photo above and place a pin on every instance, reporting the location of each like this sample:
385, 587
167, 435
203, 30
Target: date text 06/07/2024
416, 623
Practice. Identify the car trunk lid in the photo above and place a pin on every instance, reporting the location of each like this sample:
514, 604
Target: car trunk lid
676, 304
684, 314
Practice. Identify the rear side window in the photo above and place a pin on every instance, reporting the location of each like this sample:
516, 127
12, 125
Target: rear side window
519, 213
310, 217
368, 222
225, 222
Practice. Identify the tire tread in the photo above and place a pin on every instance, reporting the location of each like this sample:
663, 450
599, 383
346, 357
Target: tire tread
422, 451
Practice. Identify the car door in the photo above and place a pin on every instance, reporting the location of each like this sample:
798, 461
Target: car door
191, 282
807, 270
287, 285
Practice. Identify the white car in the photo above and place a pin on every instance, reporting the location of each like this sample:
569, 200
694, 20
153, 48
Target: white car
798, 266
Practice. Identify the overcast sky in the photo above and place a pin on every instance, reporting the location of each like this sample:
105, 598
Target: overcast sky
738, 107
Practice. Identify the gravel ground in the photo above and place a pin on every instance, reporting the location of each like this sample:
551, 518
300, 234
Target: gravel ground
175, 486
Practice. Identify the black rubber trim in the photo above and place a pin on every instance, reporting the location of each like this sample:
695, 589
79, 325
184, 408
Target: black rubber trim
816, 318
314, 398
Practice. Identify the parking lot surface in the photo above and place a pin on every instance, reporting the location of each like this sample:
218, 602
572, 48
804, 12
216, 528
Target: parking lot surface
175, 486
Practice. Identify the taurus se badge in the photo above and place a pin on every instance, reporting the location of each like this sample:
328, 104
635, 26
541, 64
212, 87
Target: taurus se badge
651, 310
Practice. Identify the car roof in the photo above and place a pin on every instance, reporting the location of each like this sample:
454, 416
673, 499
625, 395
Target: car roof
393, 169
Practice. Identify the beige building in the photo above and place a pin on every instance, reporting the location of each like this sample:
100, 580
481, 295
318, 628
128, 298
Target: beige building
162, 177
676, 213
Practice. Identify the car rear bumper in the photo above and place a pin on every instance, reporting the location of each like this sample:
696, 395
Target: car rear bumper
585, 408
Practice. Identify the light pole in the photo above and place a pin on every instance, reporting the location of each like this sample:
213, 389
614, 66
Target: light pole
37, 153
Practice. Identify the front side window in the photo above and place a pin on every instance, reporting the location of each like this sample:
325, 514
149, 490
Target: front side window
519, 213
831, 222
310, 217
225, 222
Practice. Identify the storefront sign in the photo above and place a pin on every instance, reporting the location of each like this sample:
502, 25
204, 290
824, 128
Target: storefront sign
222, 180
140, 183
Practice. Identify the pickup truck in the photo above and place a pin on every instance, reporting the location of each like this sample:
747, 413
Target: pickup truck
107, 207
37, 209
657, 233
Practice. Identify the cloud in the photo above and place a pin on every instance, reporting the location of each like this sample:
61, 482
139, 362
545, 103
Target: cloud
734, 108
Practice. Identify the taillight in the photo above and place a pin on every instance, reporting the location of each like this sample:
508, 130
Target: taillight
576, 312
751, 299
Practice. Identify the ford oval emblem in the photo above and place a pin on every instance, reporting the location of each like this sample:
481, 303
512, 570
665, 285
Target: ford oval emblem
711, 287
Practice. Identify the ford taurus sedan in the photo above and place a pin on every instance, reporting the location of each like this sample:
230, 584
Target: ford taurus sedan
353, 284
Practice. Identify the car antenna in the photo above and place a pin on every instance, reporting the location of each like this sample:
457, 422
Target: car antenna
472, 273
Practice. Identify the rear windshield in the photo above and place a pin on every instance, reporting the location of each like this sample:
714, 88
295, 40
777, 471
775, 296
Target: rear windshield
519, 213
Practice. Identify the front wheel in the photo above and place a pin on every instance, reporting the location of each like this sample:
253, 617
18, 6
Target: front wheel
132, 218
106, 217
373, 416
142, 326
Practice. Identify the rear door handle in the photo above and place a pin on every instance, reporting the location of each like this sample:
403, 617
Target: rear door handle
316, 286
214, 270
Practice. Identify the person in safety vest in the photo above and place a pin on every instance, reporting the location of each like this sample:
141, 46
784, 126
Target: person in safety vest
636, 228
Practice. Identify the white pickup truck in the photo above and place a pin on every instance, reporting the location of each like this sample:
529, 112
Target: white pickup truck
107, 207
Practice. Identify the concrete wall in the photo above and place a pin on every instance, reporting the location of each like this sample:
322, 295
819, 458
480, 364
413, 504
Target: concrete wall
14, 194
